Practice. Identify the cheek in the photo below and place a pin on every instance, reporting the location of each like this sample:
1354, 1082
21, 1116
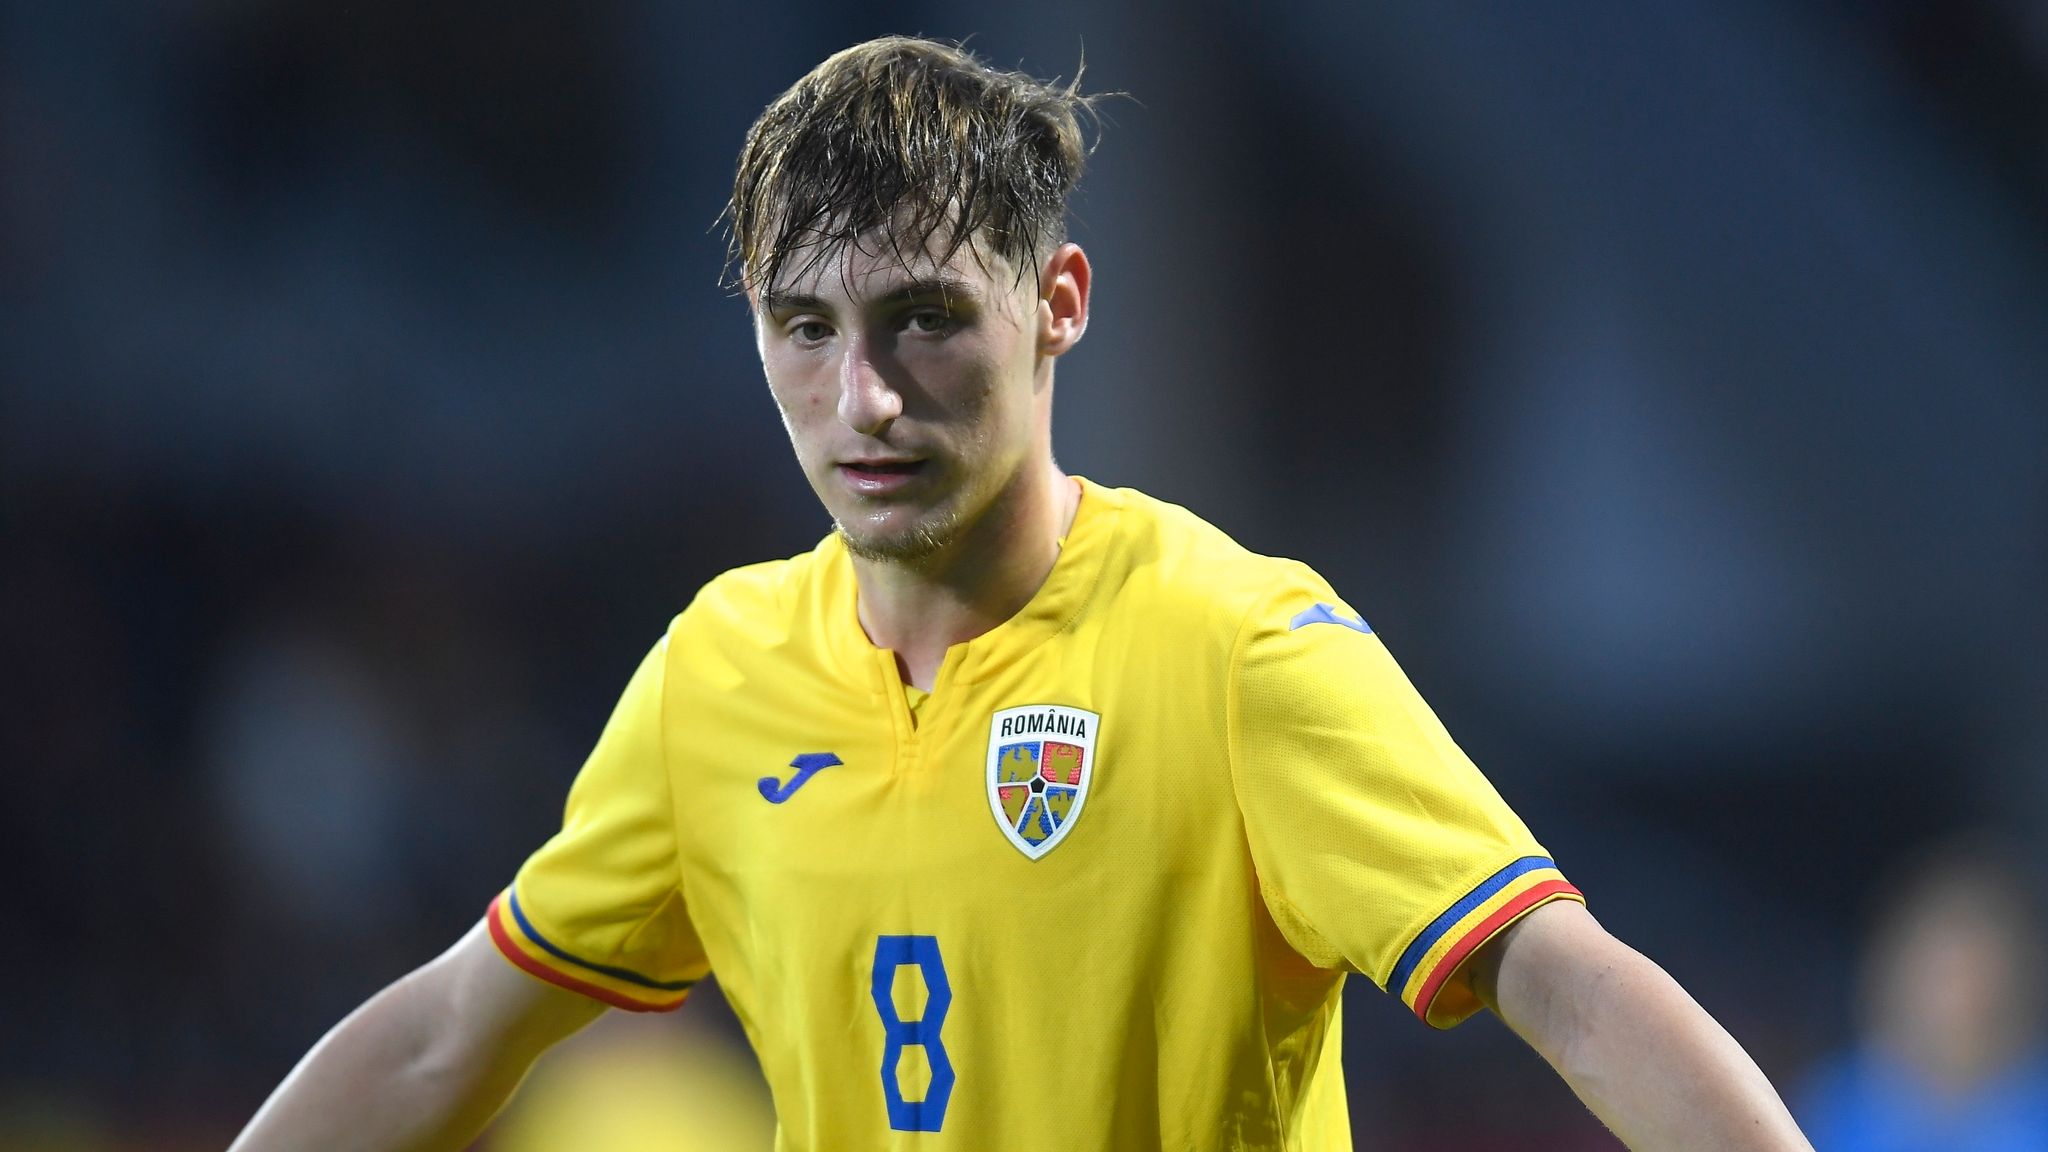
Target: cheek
1000, 392
803, 406
981, 403
813, 405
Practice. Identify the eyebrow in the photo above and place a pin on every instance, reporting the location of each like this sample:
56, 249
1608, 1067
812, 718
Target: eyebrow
918, 288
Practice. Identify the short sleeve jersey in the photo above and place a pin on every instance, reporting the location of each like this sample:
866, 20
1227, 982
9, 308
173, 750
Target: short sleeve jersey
1100, 891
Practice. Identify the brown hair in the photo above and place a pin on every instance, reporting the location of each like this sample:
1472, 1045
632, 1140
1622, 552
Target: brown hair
914, 140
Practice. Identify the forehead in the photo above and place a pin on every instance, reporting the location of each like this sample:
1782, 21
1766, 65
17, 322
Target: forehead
877, 265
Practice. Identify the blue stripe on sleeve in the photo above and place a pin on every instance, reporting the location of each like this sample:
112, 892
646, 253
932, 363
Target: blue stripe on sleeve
1427, 938
627, 975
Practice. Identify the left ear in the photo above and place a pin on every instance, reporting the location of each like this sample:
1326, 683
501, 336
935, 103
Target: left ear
1063, 299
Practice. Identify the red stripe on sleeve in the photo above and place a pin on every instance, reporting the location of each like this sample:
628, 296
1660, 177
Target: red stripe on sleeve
529, 965
1483, 932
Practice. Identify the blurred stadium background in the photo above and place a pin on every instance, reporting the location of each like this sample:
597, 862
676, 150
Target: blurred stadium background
1668, 383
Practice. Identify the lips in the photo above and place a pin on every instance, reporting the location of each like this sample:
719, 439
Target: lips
875, 477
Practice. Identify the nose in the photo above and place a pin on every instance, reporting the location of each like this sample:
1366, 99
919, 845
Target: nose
866, 402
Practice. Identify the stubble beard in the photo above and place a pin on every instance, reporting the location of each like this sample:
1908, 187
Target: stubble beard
910, 547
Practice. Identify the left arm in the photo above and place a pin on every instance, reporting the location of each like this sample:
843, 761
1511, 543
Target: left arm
1647, 1059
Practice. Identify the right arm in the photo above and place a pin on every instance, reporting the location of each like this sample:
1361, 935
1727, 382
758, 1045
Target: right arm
425, 1063
595, 917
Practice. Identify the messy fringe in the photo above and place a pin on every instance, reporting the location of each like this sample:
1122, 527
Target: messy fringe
914, 145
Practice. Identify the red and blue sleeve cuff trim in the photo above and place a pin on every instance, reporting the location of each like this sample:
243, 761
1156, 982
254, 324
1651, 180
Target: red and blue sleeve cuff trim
1437, 951
626, 974
670, 992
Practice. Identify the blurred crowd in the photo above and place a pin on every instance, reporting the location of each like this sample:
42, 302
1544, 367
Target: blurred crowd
1667, 385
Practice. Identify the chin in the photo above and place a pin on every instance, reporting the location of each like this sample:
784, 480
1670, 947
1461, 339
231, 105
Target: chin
896, 544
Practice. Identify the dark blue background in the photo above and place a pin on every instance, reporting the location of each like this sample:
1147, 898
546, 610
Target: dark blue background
1665, 383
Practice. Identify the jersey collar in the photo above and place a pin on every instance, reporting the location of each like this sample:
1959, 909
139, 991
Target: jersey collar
1056, 604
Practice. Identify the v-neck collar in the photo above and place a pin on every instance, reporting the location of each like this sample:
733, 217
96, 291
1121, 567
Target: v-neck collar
1056, 603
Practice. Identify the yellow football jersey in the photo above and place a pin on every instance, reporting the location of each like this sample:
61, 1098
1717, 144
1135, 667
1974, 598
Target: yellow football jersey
1101, 894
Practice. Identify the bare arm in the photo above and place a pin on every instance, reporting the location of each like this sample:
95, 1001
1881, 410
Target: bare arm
425, 1063
1647, 1059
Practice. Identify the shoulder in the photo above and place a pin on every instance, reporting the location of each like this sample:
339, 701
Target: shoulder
766, 586
1186, 567
758, 605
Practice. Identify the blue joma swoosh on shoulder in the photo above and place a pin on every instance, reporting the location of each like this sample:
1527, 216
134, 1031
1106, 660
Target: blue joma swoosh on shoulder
807, 765
1325, 614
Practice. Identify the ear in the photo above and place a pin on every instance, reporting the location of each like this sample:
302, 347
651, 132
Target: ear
1063, 300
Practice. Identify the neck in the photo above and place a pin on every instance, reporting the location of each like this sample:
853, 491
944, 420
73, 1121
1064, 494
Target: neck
978, 581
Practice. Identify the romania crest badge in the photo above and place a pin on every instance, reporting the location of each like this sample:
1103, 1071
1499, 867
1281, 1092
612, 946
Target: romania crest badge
1041, 761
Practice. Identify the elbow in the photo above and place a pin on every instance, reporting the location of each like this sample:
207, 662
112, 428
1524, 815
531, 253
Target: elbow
424, 1050
434, 1061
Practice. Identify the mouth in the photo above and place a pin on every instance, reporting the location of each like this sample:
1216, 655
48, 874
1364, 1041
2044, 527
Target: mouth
874, 477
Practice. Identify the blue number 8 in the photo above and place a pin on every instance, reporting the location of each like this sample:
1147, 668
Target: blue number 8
891, 953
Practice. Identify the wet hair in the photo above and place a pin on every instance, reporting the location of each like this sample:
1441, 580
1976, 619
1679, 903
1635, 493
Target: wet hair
913, 145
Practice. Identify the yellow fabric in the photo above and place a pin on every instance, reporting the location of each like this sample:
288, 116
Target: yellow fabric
915, 698
1255, 802
605, 890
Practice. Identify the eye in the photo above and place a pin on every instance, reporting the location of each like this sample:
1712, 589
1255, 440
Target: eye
930, 321
810, 331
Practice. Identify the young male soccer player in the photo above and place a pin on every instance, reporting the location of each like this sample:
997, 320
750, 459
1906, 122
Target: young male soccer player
1021, 813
